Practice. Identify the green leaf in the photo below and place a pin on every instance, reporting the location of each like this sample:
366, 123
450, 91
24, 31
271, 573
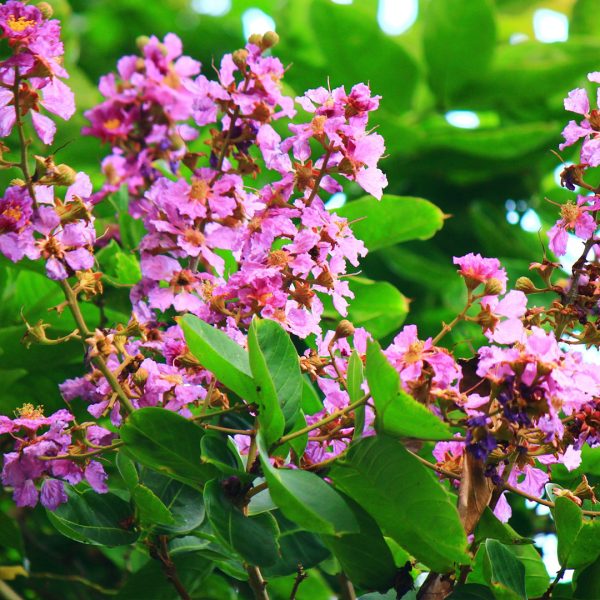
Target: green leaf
405, 499
151, 508
587, 582
311, 403
392, 220
306, 499
578, 539
254, 538
459, 37
398, 413
276, 370
503, 569
122, 267
355, 378
295, 546
364, 556
184, 503
220, 451
127, 469
92, 518
219, 354
471, 591
167, 442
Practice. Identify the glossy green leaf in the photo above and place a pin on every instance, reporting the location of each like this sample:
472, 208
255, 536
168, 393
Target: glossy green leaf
471, 591
218, 353
254, 538
101, 519
364, 556
167, 442
220, 451
127, 469
398, 413
405, 499
306, 499
151, 508
587, 582
459, 37
184, 503
355, 379
276, 371
295, 546
578, 538
503, 568
392, 220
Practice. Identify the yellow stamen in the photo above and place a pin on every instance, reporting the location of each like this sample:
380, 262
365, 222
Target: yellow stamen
28, 411
112, 124
19, 24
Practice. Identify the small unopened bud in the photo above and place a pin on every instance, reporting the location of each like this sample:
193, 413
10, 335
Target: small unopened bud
239, 58
256, 39
140, 376
177, 142
493, 287
344, 329
73, 211
46, 10
142, 41
64, 175
269, 40
35, 334
524, 284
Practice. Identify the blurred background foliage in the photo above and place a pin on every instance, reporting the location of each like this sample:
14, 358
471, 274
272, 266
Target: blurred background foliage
472, 107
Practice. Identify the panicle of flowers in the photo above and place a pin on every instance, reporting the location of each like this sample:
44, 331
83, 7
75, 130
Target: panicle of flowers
31, 78
45, 456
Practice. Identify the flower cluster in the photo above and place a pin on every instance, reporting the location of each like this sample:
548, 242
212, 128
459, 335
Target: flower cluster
50, 456
31, 77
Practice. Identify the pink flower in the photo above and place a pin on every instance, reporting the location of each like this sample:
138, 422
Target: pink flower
575, 217
476, 270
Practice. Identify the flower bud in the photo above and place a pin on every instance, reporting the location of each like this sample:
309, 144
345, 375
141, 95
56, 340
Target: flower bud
140, 376
344, 329
141, 42
493, 287
255, 39
269, 40
525, 285
239, 58
46, 10
64, 175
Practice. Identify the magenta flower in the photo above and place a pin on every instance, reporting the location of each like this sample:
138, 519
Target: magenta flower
476, 270
576, 218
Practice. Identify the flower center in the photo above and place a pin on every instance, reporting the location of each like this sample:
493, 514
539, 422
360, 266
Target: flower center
569, 212
414, 352
28, 411
111, 124
19, 24
199, 190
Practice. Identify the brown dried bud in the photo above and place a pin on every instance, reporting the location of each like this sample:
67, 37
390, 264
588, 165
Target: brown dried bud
89, 283
493, 287
344, 329
585, 491
525, 285
46, 10
239, 58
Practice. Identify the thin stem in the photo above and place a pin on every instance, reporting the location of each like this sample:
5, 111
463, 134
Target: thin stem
170, 569
85, 332
248, 432
24, 166
257, 489
447, 327
300, 577
76, 579
346, 588
328, 419
320, 176
550, 590
256, 582
114, 446
7, 592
